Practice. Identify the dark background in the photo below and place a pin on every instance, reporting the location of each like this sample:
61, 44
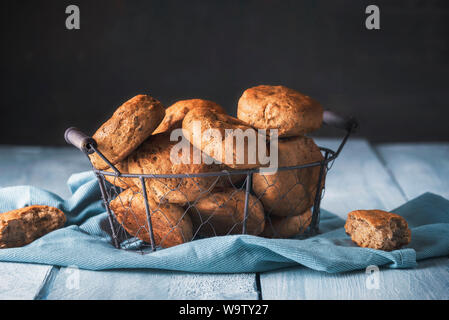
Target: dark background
394, 80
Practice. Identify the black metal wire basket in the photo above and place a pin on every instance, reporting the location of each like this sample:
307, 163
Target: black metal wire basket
138, 222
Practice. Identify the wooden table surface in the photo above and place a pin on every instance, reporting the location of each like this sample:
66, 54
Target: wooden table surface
364, 176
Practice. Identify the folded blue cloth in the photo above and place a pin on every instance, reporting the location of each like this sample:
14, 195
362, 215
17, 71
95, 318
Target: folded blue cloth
85, 242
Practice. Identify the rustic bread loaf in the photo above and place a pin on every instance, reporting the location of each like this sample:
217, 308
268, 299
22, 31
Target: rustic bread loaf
287, 227
216, 148
153, 157
222, 213
377, 229
128, 127
177, 111
278, 107
290, 192
171, 225
23, 226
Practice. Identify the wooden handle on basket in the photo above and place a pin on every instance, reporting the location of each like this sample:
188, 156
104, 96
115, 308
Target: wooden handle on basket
335, 120
79, 139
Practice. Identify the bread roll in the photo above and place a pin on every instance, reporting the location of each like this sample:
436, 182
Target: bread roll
153, 157
222, 213
378, 229
215, 147
128, 127
278, 107
290, 192
171, 225
177, 111
120, 182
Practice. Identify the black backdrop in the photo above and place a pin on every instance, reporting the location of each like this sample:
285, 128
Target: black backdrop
395, 80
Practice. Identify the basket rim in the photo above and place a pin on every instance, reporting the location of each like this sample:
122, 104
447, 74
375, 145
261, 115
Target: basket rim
330, 156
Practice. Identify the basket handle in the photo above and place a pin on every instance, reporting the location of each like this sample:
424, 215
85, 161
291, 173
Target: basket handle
335, 120
79, 139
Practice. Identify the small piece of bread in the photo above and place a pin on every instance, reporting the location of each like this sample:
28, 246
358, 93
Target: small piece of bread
222, 213
23, 226
171, 225
282, 108
287, 227
177, 111
129, 126
377, 229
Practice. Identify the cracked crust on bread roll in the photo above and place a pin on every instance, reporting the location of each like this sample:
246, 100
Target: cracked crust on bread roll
23, 226
282, 108
216, 146
177, 111
170, 223
290, 192
222, 213
129, 126
154, 157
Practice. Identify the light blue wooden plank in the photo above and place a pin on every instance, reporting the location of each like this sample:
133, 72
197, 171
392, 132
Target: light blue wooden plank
418, 167
43, 167
359, 180
428, 281
71, 283
19, 281
49, 168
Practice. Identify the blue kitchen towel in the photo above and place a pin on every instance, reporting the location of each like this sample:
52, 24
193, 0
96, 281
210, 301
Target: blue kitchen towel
86, 243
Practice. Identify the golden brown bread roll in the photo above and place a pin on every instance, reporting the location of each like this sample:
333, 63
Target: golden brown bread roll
171, 225
287, 227
278, 107
177, 111
128, 127
290, 192
153, 157
216, 148
222, 213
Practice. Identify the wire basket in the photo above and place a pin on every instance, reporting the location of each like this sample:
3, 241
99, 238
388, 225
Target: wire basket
216, 203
